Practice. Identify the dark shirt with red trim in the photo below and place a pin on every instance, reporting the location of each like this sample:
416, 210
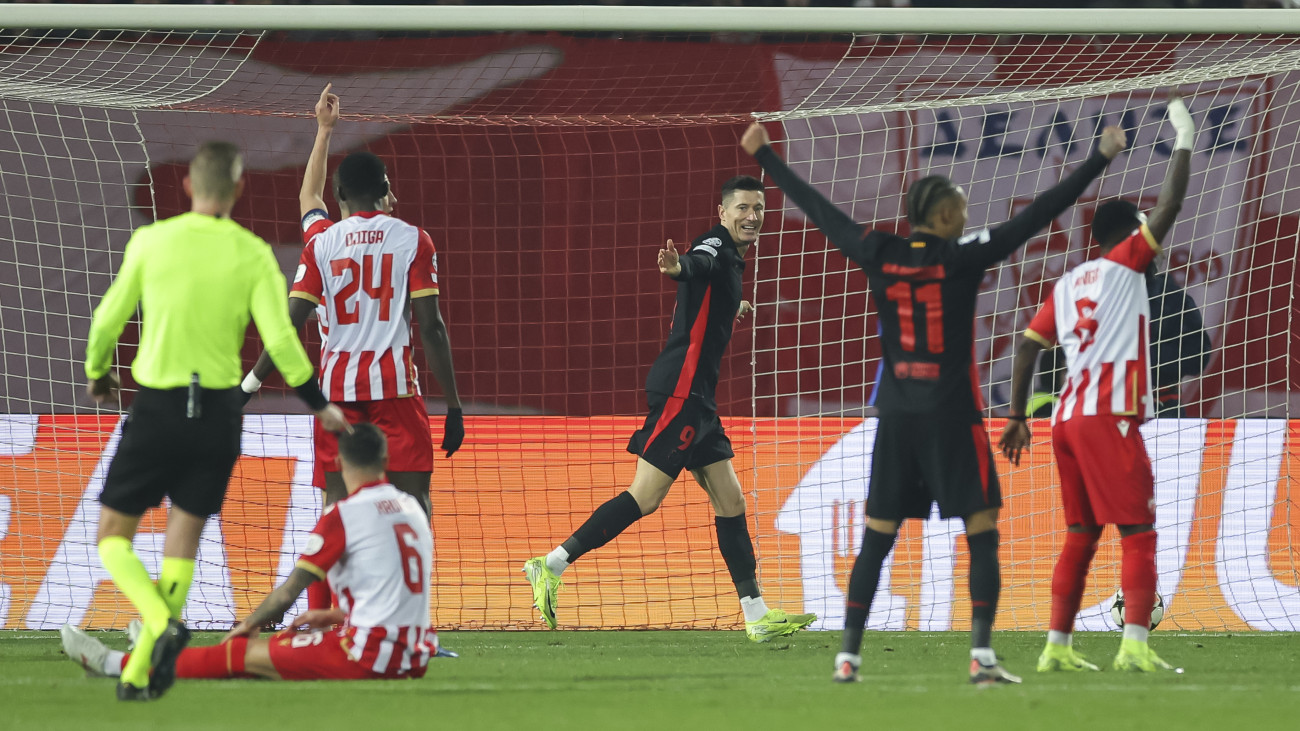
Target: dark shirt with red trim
924, 288
708, 295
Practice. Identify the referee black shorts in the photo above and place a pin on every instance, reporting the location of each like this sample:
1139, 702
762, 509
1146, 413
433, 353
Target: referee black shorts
163, 453
680, 434
920, 459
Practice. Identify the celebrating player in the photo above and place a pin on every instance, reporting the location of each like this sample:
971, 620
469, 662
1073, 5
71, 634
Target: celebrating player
364, 275
374, 548
181, 437
930, 439
1099, 312
682, 430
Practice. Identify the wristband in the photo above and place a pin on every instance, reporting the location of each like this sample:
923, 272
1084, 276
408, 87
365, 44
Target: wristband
1184, 128
1015, 417
251, 383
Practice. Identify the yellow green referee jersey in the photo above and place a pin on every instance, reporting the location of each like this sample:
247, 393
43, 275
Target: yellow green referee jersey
198, 279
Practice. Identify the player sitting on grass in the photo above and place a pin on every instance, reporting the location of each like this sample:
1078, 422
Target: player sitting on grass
1098, 312
374, 548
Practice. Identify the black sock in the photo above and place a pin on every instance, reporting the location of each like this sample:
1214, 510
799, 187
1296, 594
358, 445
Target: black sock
985, 584
604, 525
862, 586
738, 553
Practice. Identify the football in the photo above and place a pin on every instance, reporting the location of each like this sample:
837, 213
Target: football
1117, 609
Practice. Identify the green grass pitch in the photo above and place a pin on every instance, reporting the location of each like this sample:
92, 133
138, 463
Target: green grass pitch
675, 681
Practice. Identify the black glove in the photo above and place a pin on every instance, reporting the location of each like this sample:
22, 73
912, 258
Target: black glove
244, 398
453, 431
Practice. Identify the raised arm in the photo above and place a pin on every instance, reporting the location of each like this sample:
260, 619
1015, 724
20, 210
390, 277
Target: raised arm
437, 349
1174, 188
842, 230
1049, 204
312, 194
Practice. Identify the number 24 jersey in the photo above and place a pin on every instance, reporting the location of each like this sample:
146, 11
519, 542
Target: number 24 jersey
361, 273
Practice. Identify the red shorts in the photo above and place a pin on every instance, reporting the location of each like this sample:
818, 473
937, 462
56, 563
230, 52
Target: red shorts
1105, 473
403, 420
322, 655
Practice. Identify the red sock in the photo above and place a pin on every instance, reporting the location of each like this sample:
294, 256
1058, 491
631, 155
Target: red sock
218, 661
1070, 577
1138, 577
318, 595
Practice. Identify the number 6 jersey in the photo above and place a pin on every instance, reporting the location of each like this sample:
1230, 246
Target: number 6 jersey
376, 550
361, 273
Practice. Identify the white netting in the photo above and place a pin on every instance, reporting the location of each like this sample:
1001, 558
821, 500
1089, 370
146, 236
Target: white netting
1006, 118
548, 170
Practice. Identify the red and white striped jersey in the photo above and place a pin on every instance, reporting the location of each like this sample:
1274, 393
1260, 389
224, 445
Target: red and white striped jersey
1099, 312
361, 273
376, 550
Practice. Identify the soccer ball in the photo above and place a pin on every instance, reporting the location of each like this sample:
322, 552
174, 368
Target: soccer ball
1117, 609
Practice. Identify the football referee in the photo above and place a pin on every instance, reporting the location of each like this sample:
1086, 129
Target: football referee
197, 278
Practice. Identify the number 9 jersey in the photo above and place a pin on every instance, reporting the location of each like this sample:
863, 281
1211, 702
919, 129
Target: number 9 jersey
361, 273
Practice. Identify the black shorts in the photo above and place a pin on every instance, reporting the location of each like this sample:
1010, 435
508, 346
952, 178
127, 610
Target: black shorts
165, 453
919, 459
680, 434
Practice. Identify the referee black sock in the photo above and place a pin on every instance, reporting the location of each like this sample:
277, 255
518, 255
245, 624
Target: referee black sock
862, 586
738, 553
985, 584
604, 525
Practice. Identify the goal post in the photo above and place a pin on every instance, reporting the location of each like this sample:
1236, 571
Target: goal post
549, 151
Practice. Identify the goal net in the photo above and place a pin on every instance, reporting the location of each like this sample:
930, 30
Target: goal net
548, 168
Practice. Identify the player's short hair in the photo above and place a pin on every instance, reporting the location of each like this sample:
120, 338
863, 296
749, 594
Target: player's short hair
740, 182
366, 447
215, 170
362, 178
1113, 221
927, 193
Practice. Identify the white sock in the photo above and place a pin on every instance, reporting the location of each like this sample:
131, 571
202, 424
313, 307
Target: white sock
558, 560
754, 608
850, 658
113, 663
1136, 632
1059, 638
984, 655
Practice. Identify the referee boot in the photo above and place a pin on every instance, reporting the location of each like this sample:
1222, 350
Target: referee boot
163, 661
546, 588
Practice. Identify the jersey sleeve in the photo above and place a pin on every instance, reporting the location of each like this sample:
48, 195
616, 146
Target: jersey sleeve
316, 221
114, 310
1137, 251
325, 544
308, 283
987, 248
1042, 329
422, 280
701, 261
270, 313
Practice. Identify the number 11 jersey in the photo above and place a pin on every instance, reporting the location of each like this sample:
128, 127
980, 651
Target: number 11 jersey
361, 273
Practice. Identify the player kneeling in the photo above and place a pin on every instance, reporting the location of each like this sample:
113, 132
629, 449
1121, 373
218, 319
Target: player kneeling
374, 548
